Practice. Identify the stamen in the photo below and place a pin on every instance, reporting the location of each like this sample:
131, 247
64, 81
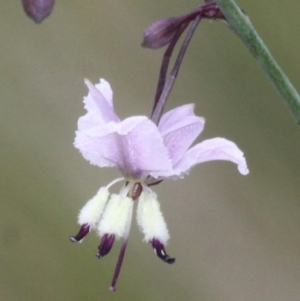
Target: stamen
150, 218
125, 189
161, 252
105, 246
83, 231
91, 212
114, 182
115, 216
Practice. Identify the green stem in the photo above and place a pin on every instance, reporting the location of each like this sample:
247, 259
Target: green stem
242, 26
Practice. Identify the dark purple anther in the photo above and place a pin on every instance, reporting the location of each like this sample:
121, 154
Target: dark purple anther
84, 231
161, 252
105, 246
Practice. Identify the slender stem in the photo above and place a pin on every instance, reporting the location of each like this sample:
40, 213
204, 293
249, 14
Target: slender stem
242, 26
165, 64
168, 53
171, 79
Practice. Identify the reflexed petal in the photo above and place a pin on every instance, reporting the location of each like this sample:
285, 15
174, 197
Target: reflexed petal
179, 128
210, 150
99, 106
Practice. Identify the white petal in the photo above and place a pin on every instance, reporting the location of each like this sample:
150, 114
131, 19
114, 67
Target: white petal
116, 216
93, 209
150, 218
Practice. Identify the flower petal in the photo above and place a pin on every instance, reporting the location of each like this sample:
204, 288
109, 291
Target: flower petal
105, 89
134, 145
179, 128
99, 106
142, 150
174, 116
94, 149
210, 150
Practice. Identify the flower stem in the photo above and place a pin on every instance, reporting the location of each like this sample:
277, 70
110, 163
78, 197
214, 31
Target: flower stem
165, 65
242, 26
157, 112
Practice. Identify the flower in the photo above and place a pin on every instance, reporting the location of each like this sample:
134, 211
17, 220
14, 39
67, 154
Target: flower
145, 154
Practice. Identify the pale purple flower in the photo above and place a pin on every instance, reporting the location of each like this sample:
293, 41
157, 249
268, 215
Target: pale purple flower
145, 154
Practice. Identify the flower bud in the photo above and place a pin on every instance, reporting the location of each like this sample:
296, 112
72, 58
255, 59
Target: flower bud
160, 32
38, 10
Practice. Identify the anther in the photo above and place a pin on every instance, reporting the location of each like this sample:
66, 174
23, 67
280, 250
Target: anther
161, 252
105, 246
83, 231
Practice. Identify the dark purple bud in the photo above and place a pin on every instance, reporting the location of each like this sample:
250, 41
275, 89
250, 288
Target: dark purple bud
161, 32
83, 231
161, 252
105, 246
38, 10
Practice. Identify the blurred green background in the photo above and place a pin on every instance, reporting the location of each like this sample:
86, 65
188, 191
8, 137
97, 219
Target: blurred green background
234, 237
